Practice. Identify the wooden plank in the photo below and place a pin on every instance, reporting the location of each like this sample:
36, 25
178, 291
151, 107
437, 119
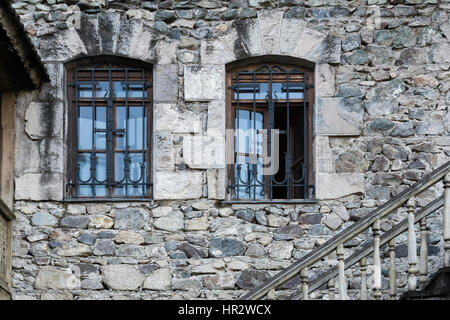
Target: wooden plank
7, 155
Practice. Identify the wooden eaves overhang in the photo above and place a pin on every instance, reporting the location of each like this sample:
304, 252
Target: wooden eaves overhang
20, 65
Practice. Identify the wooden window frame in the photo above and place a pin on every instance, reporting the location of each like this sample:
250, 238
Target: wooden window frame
230, 123
72, 125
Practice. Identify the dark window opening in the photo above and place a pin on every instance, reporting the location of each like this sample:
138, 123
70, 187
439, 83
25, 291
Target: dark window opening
264, 100
110, 119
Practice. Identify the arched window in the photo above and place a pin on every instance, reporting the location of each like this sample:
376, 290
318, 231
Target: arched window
109, 129
270, 110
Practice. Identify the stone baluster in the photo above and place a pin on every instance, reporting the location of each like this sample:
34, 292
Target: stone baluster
363, 265
376, 261
392, 271
446, 220
412, 249
341, 276
423, 252
304, 280
271, 295
331, 288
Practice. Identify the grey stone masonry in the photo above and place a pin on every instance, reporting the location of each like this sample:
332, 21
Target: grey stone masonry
381, 121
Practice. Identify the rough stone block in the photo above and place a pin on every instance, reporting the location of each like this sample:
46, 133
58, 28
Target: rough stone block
166, 83
160, 279
308, 41
204, 82
39, 186
122, 277
204, 152
44, 120
173, 221
178, 185
170, 118
61, 46
325, 81
143, 46
323, 156
216, 184
164, 151
216, 118
334, 185
55, 278
336, 118
291, 30
215, 52
270, 26
166, 52
130, 219
250, 35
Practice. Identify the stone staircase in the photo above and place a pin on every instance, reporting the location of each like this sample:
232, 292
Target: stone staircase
369, 258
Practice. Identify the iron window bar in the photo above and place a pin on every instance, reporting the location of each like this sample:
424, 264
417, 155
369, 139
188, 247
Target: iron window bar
248, 184
139, 184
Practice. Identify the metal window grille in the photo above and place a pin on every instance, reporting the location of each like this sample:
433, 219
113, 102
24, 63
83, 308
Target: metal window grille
111, 132
270, 99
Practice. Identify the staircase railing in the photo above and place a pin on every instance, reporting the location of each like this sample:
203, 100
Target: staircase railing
372, 220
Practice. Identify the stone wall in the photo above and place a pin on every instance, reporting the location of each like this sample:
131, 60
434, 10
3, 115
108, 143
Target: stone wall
382, 73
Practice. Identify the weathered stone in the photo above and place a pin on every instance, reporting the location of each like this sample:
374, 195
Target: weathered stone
131, 250
87, 238
359, 57
378, 192
39, 186
245, 214
249, 279
73, 250
44, 219
130, 219
430, 127
280, 249
292, 229
203, 83
178, 185
129, 237
351, 42
349, 183
379, 108
332, 221
381, 163
405, 37
122, 277
305, 244
310, 218
55, 278
225, 212
100, 222
219, 282
335, 117
173, 221
318, 230
166, 83
351, 161
190, 251
255, 250
186, 284
226, 247
160, 279
104, 247
261, 217
277, 221
198, 224
403, 129
78, 222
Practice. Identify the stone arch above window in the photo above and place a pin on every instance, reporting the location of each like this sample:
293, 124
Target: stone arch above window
109, 122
